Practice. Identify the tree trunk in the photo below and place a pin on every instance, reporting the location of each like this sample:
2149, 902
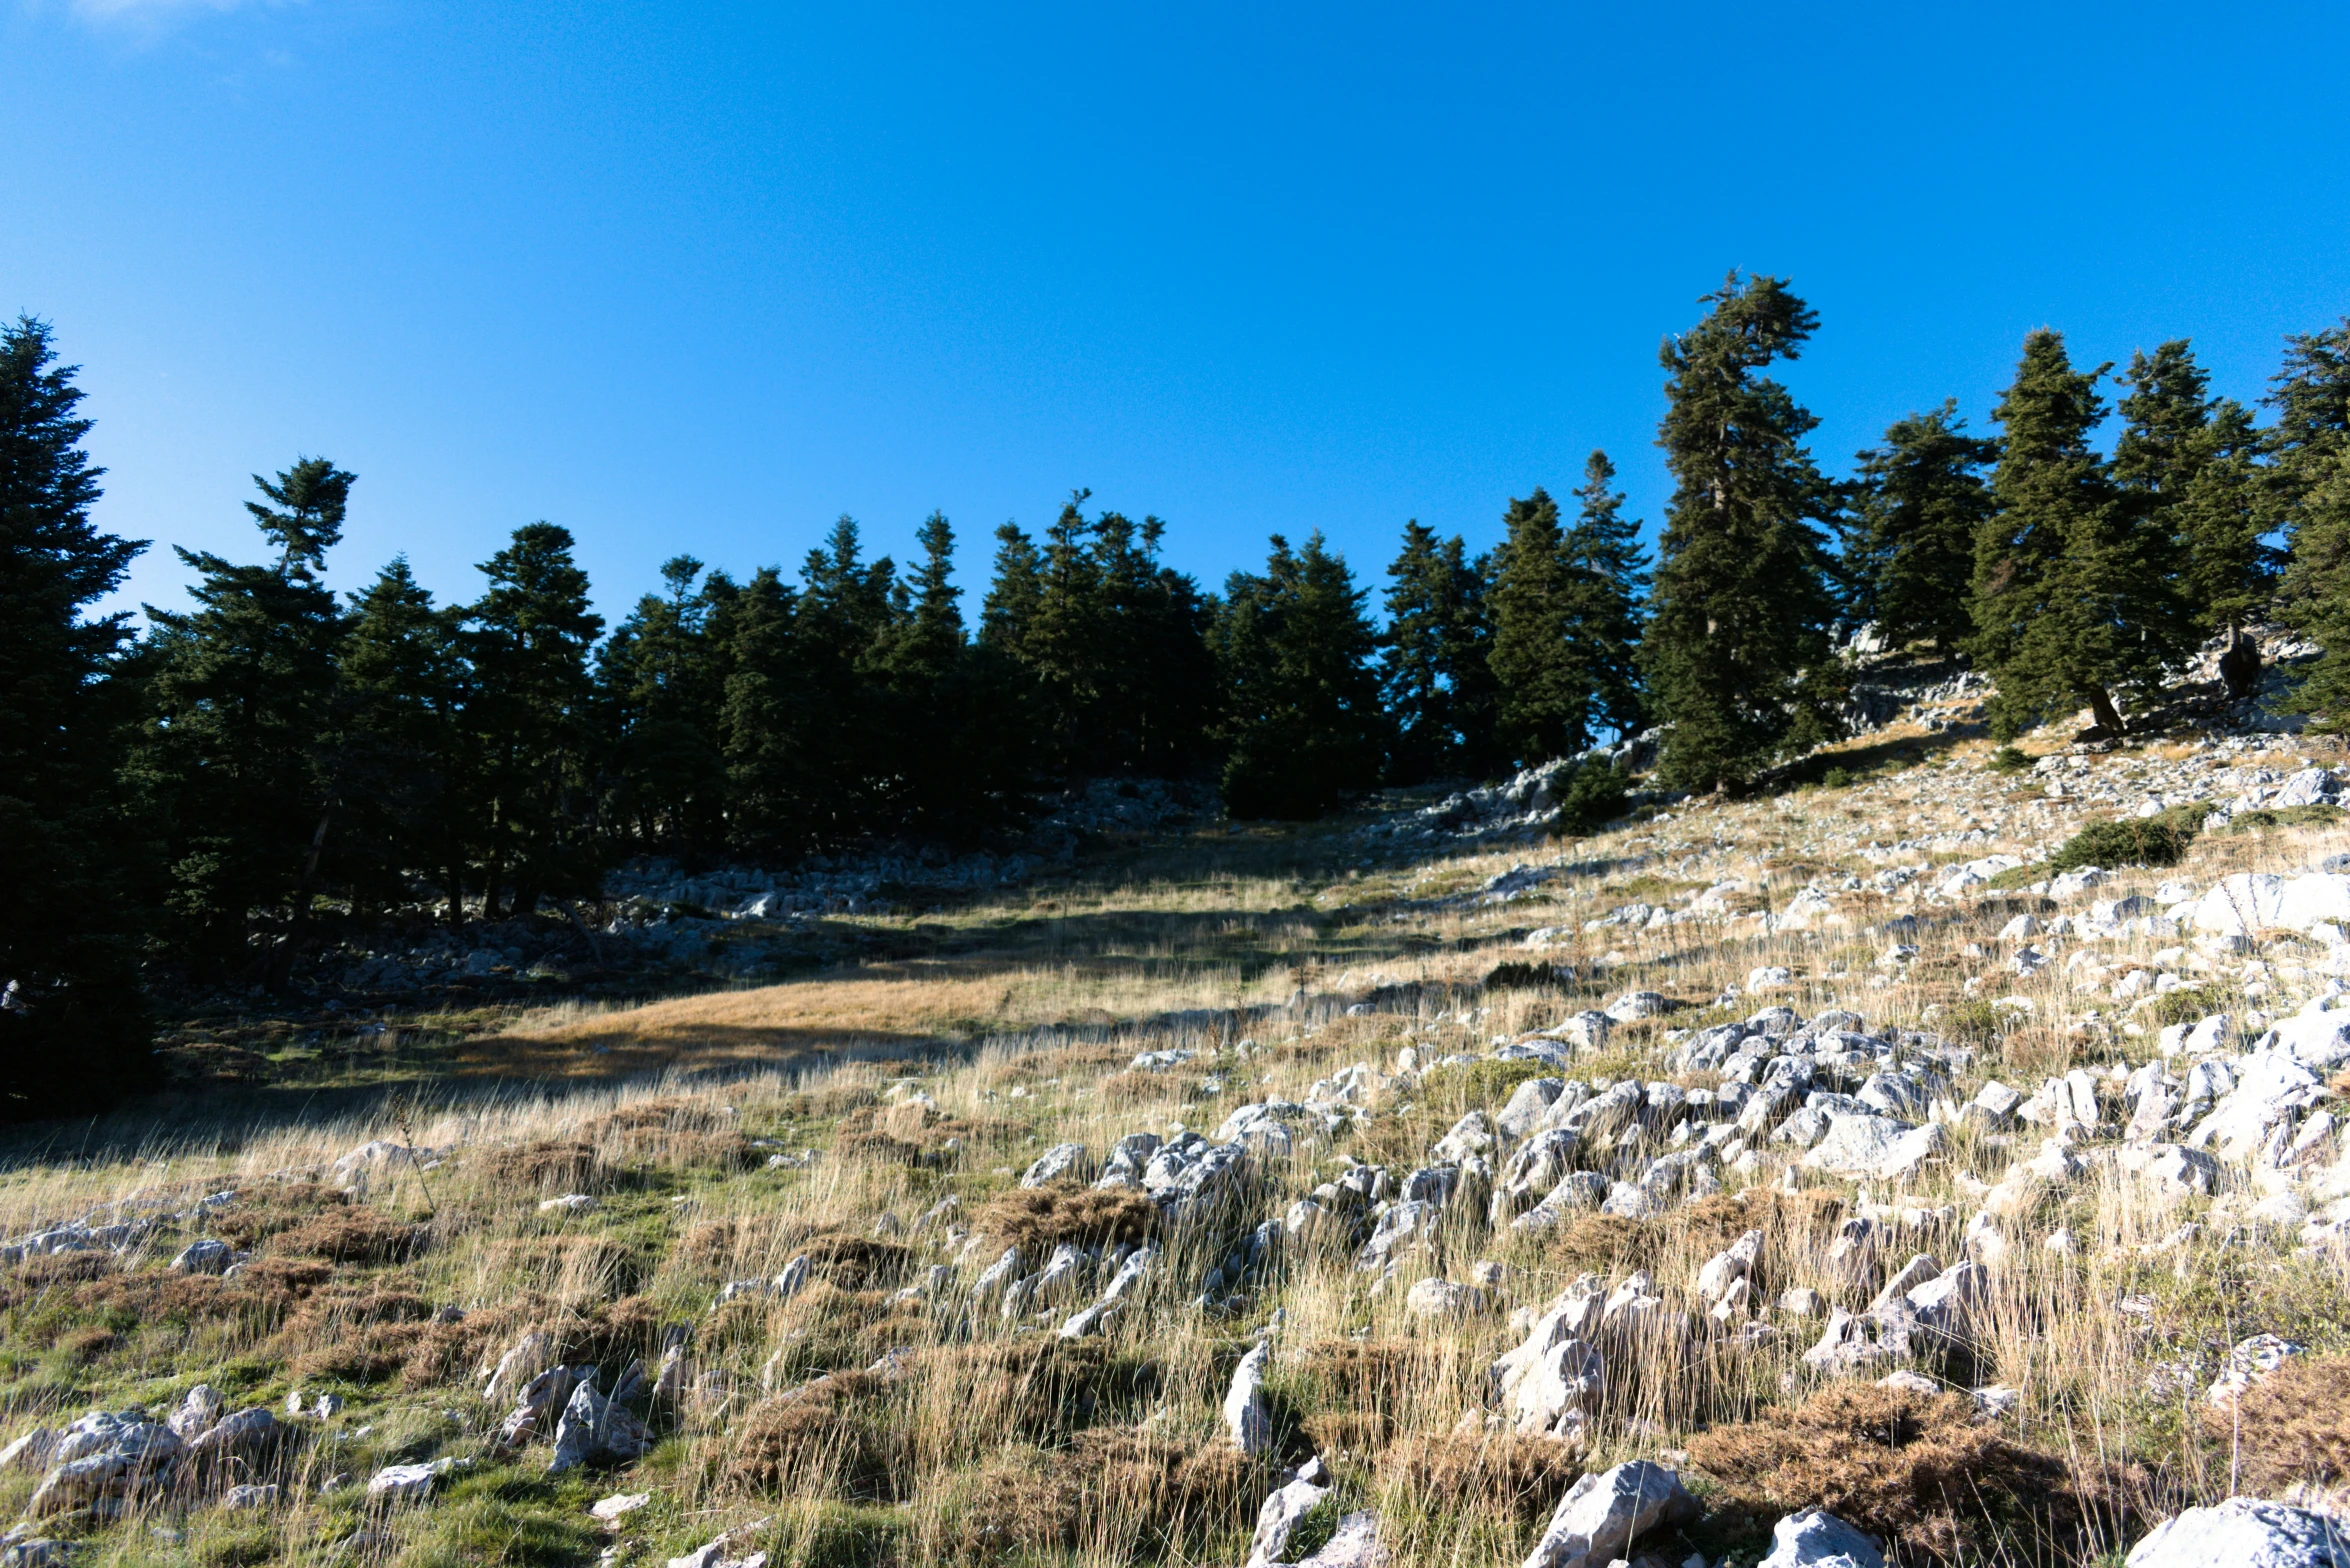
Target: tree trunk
2101, 707
281, 961
454, 880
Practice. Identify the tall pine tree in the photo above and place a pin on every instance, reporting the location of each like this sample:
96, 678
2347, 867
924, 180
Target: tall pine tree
1540, 668
2308, 496
401, 683
1434, 676
2188, 464
662, 676
1917, 503
529, 762
2074, 594
1302, 723
1603, 548
1736, 653
72, 1030
241, 756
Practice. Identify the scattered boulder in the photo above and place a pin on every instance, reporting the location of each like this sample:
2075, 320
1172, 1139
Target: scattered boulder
2244, 1532
1061, 1162
1602, 1515
1245, 1416
1816, 1538
209, 1256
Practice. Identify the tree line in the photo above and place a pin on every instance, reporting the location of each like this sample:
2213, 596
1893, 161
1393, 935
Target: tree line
185, 800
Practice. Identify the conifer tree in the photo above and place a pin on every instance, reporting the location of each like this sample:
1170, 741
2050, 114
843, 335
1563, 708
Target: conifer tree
1541, 662
2073, 586
1736, 651
1603, 547
73, 1033
662, 675
1918, 502
769, 786
400, 692
529, 723
1302, 722
2188, 464
2308, 495
1108, 645
1435, 679
241, 758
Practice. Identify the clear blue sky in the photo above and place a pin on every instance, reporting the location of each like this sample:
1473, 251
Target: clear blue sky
701, 279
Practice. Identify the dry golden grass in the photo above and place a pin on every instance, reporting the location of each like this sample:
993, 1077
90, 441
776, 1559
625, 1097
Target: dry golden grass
979, 1439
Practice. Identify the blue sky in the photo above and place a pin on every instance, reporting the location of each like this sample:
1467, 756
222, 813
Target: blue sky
703, 278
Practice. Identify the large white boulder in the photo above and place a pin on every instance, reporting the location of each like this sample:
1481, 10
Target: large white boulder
1815, 1538
1603, 1515
2244, 1532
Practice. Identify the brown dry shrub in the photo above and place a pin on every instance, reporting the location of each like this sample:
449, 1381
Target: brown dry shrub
1086, 1060
718, 1244
1038, 1219
671, 1130
856, 1262
86, 1344
352, 1234
1349, 1434
543, 1263
1524, 1475
47, 1270
1916, 1471
367, 1355
152, 1296
830, 1436
1112, 1488
289, 1277
547, 1167
1037, 1388
1606, 1244
1373, 1374
262, 1212
2291, 1426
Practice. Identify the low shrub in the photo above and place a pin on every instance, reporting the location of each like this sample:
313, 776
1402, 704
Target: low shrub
2293, 1426
1917, 1471
2008, 759
350, 1234
1118, 1494
2131, 841
1525, 1476
2283, 817
1836, 778
1518, 975
1038, 1219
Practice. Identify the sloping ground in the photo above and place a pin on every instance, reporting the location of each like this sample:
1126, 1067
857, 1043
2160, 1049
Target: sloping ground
1809, 1151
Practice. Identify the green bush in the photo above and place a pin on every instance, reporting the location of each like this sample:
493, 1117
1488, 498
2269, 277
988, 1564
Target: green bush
1973, 1021
2283, 817
1518, 976
2008, 759
1836, 778
2131, 841
1593, 797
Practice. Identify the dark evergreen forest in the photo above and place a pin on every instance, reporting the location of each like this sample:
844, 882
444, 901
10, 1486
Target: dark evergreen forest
189, 798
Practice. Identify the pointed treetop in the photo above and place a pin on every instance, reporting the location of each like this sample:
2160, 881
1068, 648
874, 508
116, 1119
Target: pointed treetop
306, 519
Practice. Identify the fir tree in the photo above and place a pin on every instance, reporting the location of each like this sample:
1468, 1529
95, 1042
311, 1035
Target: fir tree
1435, 678
530, 763
401, 689
663, 680
1603, 548
1108, 645
770, 814
2308, 495
2188, 463
241, 758
2074, 596
1302, 722
1736, 652
1541, 665
72, 1031
1918, 502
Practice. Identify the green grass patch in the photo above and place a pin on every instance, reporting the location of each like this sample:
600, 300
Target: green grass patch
2283, 817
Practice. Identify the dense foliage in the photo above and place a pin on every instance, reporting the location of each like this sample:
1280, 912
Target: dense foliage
185, 801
